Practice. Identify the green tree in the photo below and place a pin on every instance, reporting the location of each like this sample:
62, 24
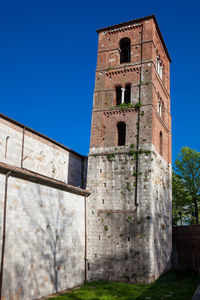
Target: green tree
186, 184
180, 201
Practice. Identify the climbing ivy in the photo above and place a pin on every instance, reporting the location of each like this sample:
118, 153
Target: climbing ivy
110, 157
106, 228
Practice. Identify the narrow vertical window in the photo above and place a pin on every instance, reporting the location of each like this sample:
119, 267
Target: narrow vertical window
6, 147
127, 95
157, 61
121, 130
161, 143
125, 50
161, 71
159, 66
118, 94
160, 108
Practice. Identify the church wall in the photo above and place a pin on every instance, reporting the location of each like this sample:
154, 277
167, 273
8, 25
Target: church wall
40, 155
2, 184
45, 239
12, 136
44, 159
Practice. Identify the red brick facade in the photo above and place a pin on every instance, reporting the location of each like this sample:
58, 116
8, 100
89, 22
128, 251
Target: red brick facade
147, 87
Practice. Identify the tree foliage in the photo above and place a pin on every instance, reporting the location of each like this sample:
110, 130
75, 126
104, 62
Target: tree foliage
186, 186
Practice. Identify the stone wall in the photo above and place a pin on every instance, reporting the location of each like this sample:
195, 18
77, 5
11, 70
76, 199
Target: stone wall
45, 240
125, 243
45, 225
40, 154
161, 193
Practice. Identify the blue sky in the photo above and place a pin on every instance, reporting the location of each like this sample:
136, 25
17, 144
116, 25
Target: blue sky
48, 60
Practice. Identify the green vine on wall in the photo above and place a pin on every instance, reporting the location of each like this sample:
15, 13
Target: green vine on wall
110, 157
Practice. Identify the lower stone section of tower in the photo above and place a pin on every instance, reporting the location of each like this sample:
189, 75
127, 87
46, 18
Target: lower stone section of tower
124, 243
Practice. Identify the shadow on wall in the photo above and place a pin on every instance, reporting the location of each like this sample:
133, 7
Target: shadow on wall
122, 252
163, 247
48, 244
77, 171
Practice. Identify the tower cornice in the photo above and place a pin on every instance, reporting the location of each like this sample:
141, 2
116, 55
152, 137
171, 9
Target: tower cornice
135, 21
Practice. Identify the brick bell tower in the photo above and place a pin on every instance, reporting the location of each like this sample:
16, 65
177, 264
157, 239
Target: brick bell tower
129, 167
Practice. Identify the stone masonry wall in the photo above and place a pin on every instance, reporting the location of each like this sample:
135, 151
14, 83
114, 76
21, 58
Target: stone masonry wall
161, 193
45, 240
126, 244
45, 228
40, 155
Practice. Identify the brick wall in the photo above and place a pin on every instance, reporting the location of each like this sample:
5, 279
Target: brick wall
111, 73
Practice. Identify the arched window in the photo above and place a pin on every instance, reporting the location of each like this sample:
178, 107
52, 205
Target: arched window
121, 130
127, 95
125, 50
161, 143
6, 147
118, 94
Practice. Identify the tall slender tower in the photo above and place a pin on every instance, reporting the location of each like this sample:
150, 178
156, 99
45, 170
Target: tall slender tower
129, 169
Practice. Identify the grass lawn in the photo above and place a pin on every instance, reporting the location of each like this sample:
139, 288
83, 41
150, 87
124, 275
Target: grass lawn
171, 285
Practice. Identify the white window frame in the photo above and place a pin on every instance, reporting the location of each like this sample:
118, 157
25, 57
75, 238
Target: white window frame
159, 66
160, 108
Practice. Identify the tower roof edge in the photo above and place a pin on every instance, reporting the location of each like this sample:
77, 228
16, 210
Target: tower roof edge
137, 21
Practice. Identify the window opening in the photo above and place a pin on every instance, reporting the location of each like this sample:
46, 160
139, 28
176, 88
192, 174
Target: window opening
159, 66
6, 147
161, 143
160, 108
121, 129
125, 47
118, 94
127, 96
123, 94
